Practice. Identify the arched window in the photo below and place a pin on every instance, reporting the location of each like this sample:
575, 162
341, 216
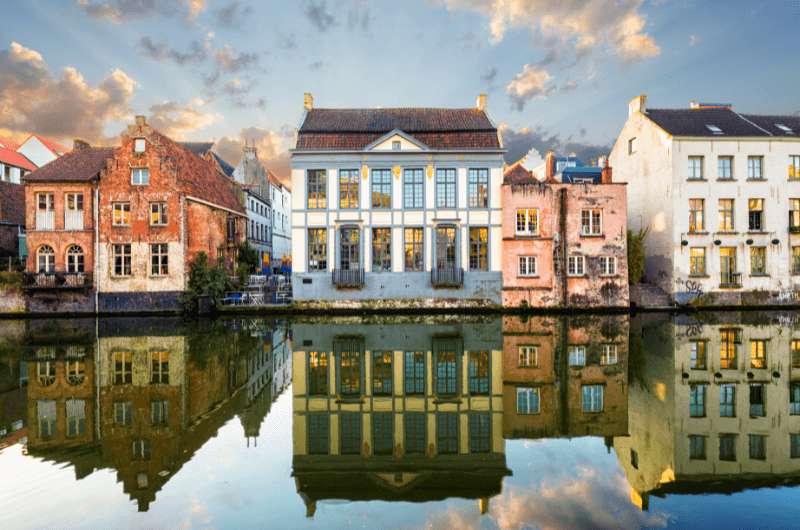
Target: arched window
46, 259
74, 259
76, 372
46, 372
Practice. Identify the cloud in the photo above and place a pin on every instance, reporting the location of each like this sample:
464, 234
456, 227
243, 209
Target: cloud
359, 17
230, 61
118, 11
530, 83
316, 65
694, 40
521, 141
237, 89
176, 120
287, 42
489, 76
317, 13
585, 26
233, 15
159, 51
272, 147
65, 107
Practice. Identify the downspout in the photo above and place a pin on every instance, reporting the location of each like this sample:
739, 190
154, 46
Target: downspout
562, 230
96, 218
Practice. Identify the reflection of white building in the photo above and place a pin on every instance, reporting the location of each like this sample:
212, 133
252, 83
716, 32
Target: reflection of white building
720, 194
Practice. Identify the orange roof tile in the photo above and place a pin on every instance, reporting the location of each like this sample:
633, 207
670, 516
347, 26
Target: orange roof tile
12, 158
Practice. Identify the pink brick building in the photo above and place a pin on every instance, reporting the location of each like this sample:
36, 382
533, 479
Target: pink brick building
564, 244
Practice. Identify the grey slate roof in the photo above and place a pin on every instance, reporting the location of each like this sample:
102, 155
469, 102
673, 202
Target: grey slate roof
201, 148
693, 122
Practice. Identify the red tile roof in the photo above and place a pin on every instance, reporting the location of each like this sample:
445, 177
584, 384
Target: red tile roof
517, 174
82, 165
9, 144
54, 146
12, 158
12, 203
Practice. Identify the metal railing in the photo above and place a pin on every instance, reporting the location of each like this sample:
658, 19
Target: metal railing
352, 278
45, 220
447, 276
730, 279
56, 280
73, 220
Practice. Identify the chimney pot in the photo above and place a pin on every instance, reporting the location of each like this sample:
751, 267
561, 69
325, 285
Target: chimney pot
605, 173
637, 104
550, 166
481, 102
308, 101
140, 120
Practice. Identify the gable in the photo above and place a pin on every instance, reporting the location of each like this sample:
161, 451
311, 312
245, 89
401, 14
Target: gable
387, 142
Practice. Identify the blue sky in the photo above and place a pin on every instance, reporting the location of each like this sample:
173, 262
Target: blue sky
558, 73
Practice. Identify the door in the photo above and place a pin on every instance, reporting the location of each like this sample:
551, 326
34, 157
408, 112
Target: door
727, 264
446, 247
349, 249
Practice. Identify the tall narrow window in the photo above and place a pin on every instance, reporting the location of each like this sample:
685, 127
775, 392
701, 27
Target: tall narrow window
381, 249
696, 215
592, 398
729, 277
577, 355
158, 214
73, 211
727, 400
758, 446
159, 412
318, 373
46, 416
348, 189
478, 372
415, 427
350, 432
528, 401
729, 341
697, 401
45, 260
317, 189
382, 433
382, 373
123, 413
794, 350
479, 248
726, 215
414, 372
413, 189
794, 166
121, 259
446, 354
591, 222
123, 367
412, 241
528, 222
758, 353
758, 406
349, 353
45, 210
609, 354
159, 368
795, 265
319, 434
794, 445
159, 259
697, 447
381, 188
446, 250
447, 432
75, 259
725, 167
755, 217
727, 447
317, 249
794, 215
755, 167
794, 399
697, 354
697, 261
445, 188
76, 417
478, 188
479, 432
695, 169
758, 261
350, 248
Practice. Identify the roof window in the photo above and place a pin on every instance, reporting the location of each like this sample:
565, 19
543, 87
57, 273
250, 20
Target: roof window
784, 128
714, 129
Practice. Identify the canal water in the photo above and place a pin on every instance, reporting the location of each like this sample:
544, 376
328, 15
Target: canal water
605, 421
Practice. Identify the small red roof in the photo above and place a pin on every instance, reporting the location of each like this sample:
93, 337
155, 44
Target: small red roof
54, 146
9, 144
82, 165
12, 158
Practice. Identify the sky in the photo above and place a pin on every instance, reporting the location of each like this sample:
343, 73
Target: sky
558, 73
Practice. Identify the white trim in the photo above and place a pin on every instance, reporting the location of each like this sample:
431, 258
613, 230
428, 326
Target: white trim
396, 132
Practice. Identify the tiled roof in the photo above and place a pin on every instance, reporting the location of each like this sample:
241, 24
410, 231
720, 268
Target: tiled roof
12, 158
9, 144
12, 203
81, 165
517, 174
201, 148
54, 146
354, 129
695, 122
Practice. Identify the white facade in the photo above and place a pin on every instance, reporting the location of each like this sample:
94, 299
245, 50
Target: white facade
259, 225
281, 199
9, 173
656, 166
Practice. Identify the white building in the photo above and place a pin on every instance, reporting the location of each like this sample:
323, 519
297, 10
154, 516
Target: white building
281, 198
259, 224
719, 192
397, 204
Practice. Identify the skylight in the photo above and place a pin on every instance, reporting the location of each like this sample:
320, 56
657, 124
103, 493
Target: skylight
714, 129
784, 128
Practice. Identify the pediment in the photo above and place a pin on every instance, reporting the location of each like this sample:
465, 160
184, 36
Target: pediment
387, 142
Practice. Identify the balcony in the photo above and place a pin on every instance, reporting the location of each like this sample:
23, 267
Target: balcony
56, 280
73, 220
447, 276
730, 280
45, 220
348, 279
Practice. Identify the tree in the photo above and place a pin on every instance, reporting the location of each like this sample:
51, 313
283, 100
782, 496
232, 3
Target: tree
636, 255
205, 280
249, 256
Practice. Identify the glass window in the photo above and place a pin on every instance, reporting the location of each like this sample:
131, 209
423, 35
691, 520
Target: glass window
446, 250
608, 266
528, 400
445, 188
123, 413
413, 188
726, 215
794, 215
729, 341
318, 373
75, 259
348, 188
727, 447
758, 446
121, 258
413, 243
414, 372
697, 215
158, 213
758, 353
478, 372
447, 433
159, 412
349, 353
381, 188
575, 266
46, 416
46, 259
478, 188
415, 427
446, 354
577, 355
317, 189
317, 249
697, 261
319, 437
528, 357
381, 249
631, 145
382, 373
796, 260
755, 165
350, 432
76, 417
725, 167
76, 372
382, 433
159, 368
479, 248
528, 222
695, 169
121, 214
794, 166
755, 217
609, 354
479, 432
159, 259
758, 261
794, 399
140, 176
697, 354
727, 400
794, 445
350, 248
794, 347
591, 222
757, 400
697, 401
697, 447
139, 145
527, 266
592, 398
141, 449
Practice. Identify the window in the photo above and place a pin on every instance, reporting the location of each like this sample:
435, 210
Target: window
318, 373
697, 447
121, 214
350, 248
317, 249
121, 259
528, 356
755, 167
725, 167
446, 373
46, 372
697, 401
528, 222
794, 399
445, 188
158, 213
159, 368
349, 353
757, 397
609, 355
794, 347
794, 445
727, 400
413, 189
139, 145
697, 261
696, 215
527, 266
796, 260
592, 398
75, 259
577, 355
382, 433
317, 189
632, 144
729, 340
714, 129
159, 259
45, 260
415, 427
634, 459
479, 432
479, 248
350, 425
319, 437
396, 145
413, 249
414, 372
794, 215
381, 188
140, 176
123, 413
758, 261
230, 228
695, 169
76, 372
794, 166
758, 450
758, 353
727, 447
446, 249
382, 373
608, 266
697, 354
726, 219
528, 400
73, 211
159, 412
381, 249
447, 433
348, 189
755, 218
123, 368
478, 188
575, 266
478, 372
591, 222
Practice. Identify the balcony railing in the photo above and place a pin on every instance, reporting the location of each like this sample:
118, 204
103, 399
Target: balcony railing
730, 280
73, 220
57, 280
447, 276
349, 278
45, 220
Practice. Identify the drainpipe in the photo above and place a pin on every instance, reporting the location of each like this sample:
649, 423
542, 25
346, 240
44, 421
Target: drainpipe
562, 230
96, 217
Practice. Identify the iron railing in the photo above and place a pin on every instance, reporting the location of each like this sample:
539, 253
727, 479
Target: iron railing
447, 276
348, 278
56, 280
730, 280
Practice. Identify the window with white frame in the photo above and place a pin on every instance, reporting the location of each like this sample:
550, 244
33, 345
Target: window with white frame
121, 214
528, 401
159, 259
139, 145
591, 222
608, 266
592, 398
121, 259
576, 266
528, 222
140, 176
528, 356
695, 169
576, 355
158, 213
755, 167
527, 266
609, 354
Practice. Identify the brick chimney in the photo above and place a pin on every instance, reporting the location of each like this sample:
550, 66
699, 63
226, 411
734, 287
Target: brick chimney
605, 174
140, 121
550, 166
78, 144
308, 101
637, 104
480, 104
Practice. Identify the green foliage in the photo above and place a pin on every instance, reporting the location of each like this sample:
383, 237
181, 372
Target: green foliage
248, 256
10, 280
636, 255
205, 280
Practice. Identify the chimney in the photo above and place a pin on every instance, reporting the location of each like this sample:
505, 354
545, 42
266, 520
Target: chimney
637, 104
78, 144
308, 101
605, 173
550, 166
481, 102
140, 121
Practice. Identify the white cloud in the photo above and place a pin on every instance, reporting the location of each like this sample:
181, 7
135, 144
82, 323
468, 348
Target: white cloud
694, 40
118, 11
530, 83
272, 147
177, 121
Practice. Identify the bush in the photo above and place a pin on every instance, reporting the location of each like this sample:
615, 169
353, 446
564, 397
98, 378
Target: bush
10, 280
205, 280
636, 255
248, 256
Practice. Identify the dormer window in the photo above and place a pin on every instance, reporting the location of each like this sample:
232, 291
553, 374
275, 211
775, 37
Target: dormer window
396, 145
138, 145
714, 129
784, 128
